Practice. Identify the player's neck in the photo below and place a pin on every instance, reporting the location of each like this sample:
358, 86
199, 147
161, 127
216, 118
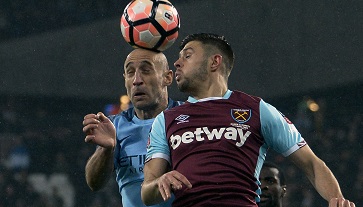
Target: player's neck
213, 90
151, 112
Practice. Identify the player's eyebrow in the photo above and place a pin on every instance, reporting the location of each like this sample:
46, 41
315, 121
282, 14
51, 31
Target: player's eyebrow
144, 62
185, 50
269, 178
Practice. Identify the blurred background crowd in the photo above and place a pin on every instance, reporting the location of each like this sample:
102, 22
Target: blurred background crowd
42, 152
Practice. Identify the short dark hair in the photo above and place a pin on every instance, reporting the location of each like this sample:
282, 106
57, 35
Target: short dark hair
217, 41
281, 173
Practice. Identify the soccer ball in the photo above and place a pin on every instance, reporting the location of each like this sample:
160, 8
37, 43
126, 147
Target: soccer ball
150, 24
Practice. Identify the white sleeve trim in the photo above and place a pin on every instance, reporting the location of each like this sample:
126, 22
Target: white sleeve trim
291, 150
294, 148
159, 155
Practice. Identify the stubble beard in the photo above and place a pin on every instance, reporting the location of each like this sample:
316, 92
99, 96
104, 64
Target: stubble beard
191, 84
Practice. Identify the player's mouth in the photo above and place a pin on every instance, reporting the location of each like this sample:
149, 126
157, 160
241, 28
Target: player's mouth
264, 198
139, 94
177, 76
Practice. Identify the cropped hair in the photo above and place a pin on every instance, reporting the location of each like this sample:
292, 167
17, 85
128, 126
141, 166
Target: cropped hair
216, 41
281, 173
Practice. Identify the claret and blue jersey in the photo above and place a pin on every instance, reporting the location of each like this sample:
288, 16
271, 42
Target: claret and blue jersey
220, 144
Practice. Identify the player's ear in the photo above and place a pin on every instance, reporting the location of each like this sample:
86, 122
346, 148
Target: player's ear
283, 191
168, 77
216, 61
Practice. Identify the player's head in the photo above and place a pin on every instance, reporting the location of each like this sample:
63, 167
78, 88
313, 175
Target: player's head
147, 77
200, 54
272, 185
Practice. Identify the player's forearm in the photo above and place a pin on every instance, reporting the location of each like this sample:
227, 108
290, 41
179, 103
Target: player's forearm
317, 172
99, 168
325, 182
150, 194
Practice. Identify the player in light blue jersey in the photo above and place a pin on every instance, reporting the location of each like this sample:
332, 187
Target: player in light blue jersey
122, 138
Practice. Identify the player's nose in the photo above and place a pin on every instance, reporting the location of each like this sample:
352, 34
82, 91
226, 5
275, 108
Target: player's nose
264, 186
137, 79
178, 64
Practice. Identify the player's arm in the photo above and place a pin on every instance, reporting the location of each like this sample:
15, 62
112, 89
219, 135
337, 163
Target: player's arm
99, 168
317, 172
158, 183
283, 137
150, 193
100, 131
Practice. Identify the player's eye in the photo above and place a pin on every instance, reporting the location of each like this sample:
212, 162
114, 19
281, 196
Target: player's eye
270, 181
145, 70
129, 73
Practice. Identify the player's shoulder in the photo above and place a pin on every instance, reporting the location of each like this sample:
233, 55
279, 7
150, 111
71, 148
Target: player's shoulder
245, 96
123, 116
172, 103
127, 115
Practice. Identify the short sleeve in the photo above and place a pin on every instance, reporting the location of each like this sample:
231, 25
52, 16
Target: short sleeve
278, 131
158, 146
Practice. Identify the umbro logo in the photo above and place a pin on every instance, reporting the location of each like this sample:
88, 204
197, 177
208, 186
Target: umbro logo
182, 118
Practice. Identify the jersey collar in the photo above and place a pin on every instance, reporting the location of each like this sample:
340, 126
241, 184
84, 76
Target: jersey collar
225, 96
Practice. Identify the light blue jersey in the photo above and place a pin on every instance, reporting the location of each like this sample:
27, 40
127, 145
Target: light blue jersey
130, 152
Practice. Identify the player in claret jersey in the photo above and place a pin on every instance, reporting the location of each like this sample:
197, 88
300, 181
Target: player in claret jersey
209, 151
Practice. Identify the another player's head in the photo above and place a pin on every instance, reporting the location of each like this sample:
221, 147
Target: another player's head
202, 55
272, 185
147, 76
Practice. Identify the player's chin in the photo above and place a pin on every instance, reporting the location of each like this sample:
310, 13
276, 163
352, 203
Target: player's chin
264, 201
140, 102
182, 87
140, 98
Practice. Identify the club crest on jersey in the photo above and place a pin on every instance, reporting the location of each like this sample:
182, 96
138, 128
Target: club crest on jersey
241, 115
148, 142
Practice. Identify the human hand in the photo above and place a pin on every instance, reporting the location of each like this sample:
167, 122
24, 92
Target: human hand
340, 202
99, 130
172, 181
